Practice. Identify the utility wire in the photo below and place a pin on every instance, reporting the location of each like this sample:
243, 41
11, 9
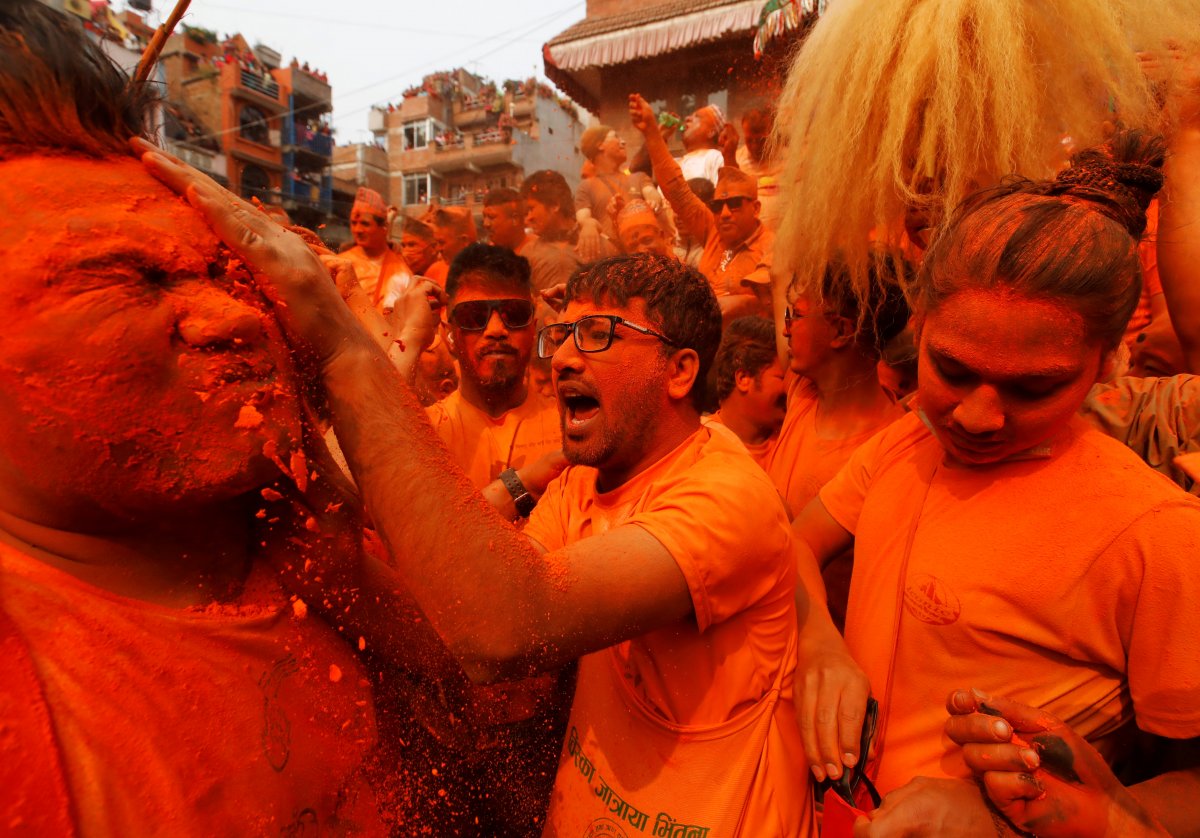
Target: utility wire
525, 30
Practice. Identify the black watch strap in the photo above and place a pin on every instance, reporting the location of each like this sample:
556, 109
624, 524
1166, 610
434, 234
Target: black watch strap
520, 495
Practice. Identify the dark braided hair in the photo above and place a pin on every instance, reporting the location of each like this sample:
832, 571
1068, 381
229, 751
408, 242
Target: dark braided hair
1072, 239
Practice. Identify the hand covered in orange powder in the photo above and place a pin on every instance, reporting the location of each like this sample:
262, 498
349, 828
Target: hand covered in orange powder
310, 309
641, 114
1043, 776
932, 807
536, 476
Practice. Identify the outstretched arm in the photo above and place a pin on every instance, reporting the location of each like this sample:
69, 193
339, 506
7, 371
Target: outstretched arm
501, 606
691, 215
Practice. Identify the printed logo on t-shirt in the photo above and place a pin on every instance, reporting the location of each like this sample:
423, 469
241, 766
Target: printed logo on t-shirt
931, 601
604, 828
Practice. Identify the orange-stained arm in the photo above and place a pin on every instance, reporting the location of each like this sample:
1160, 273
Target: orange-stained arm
831, 689
502, 606
1179, 209
691, 215
1179, 241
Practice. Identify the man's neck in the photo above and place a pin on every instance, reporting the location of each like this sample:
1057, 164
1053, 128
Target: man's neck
850, 399
495, 403
376, 253
604, 166
701, 146
747, 430
667, 434
204, 556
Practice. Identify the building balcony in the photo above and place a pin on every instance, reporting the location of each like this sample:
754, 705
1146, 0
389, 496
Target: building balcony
264, 85
473, 152
210, 162
314, 142
309, 91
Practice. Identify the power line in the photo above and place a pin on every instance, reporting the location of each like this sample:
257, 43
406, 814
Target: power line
341, 22
525, 29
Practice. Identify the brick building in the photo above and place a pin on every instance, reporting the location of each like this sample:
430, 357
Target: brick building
455, 136
261, 126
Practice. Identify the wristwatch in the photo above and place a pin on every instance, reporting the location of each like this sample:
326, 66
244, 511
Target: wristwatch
524, 501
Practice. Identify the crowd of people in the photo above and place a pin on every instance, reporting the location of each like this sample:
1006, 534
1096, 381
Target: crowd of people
835, 477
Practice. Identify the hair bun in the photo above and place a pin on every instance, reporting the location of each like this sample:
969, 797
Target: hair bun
1121, 177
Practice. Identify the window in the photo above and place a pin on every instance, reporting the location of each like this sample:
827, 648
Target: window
252, 125
256, 183
416, 134
416, 188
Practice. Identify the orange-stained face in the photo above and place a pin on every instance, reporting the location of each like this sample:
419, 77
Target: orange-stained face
613, 148
608, 399
809, 334
765, 403
368, 231
999, 373
645, 238
141, 369
538, 216
419, 253
504, 225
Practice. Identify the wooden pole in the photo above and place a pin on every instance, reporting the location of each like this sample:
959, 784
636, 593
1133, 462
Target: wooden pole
150, 56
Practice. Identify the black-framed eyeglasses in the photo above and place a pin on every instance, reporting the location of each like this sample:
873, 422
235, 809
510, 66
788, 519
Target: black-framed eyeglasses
592, 334
473, 315
735, 203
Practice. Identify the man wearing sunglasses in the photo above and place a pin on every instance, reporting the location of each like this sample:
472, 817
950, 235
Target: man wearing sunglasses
493, 423
506, 437
737, 248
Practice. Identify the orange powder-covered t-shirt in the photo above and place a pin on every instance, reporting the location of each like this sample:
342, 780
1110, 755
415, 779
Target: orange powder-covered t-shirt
1066, 581
483, 447
802, 461
721, 520
758, 451
236, 719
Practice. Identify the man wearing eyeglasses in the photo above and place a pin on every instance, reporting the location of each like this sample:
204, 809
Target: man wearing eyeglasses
737, 247
662, 559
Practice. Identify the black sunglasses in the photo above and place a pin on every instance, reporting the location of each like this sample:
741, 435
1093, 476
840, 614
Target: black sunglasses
735, 203
473, 315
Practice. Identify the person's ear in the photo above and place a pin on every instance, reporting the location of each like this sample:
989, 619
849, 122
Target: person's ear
683, 369
743, 382
844, 331
450, 341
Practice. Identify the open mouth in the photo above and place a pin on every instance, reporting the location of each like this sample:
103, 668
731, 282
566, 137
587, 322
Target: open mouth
579, 410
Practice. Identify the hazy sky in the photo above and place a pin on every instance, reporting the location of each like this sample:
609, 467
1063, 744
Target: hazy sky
373, 49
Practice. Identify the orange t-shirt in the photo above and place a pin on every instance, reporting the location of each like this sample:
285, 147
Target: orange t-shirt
237, 719
483, 447
758, 452
1067, 582
721, 520
802, 461
438, 272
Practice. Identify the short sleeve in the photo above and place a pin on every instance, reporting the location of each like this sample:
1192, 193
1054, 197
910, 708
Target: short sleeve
703, 521
547, 523
844, 495
583, 195
1164, 644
